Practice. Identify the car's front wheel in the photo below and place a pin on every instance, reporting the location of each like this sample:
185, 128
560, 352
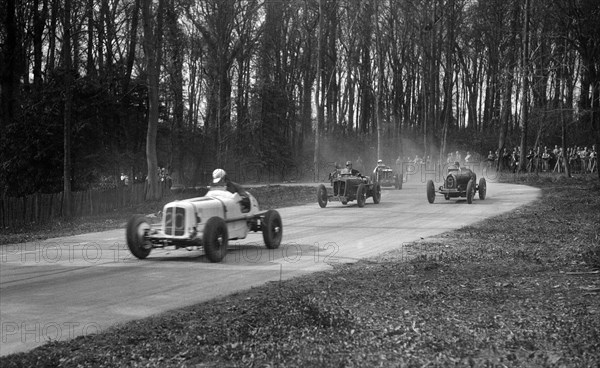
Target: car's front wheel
361, 196
215, 239
470, 191
137, 229
322, 196
376, 193
272, 229
482, 188
430, 191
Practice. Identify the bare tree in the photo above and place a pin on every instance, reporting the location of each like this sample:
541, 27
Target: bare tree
153, 53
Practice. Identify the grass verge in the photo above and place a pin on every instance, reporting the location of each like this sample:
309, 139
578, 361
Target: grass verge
519, 289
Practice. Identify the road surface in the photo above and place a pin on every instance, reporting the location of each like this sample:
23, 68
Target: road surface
66, 287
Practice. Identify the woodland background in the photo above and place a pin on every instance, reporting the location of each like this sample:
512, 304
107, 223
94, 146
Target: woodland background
92, 89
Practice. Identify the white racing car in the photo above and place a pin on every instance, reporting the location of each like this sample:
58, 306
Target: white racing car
209, 221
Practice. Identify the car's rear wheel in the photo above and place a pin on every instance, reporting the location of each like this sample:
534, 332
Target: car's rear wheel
361, 197
137, 229
272, 229
215, 239
482, 188
376, 193
322, 196
430, 191
470, 191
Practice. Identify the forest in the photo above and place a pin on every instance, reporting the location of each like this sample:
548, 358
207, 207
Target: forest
91, 90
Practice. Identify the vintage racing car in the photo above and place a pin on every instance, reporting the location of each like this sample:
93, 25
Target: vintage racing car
459, 182
385, 176
209, 221
347, 188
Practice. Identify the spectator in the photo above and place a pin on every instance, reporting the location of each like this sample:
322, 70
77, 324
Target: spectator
584, 156
574, 159
545, 159
559, 161
593, 159
530, 157
468, 157
505, 161
515, 160
457, 157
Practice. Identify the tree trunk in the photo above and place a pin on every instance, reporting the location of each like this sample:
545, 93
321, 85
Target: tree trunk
525, 68
152, 44
9, 80
68, 112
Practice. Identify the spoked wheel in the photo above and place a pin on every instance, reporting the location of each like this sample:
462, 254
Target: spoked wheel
322, 196
376, 193
361, 197
482, 188
430, 191
272, 229
470, 191
215, 239
137, 230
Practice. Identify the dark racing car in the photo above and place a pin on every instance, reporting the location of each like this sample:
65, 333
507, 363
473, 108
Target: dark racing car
385, 176
347, 187
459, 182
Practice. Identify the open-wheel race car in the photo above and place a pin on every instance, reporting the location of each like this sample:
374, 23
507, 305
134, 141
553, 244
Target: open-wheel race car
459, 182
385, 176
347, 188
209, 221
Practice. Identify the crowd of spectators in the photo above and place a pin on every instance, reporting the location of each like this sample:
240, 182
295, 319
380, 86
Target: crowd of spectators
581, 159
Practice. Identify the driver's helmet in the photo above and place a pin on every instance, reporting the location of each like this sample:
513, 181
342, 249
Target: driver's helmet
218, 175
349, 164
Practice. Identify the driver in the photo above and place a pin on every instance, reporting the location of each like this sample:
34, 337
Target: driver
350, 170
376, 169
220, 178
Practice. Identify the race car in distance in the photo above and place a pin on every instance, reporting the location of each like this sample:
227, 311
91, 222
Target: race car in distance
385, 176
209, 221
348, 187
459, 182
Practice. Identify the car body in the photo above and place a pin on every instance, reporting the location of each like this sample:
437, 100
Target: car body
385, 176
458, 182
209, 221
347, 188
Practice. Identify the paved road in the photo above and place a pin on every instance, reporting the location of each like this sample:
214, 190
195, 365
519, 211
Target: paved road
66, 287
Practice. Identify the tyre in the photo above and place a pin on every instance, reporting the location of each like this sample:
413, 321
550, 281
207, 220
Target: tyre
272, 229
361, 197
430, 191
137, 229
470, 191
322, 196
482, 188
215, 239
376, 193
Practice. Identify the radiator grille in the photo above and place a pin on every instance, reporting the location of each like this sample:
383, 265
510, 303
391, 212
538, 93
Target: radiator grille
175, 221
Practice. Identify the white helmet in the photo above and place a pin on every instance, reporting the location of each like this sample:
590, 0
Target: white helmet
218, 175
379, 161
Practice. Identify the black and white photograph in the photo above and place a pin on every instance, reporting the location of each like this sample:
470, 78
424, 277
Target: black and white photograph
299, 183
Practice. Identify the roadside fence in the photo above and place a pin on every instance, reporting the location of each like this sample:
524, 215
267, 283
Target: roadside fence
42, 207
